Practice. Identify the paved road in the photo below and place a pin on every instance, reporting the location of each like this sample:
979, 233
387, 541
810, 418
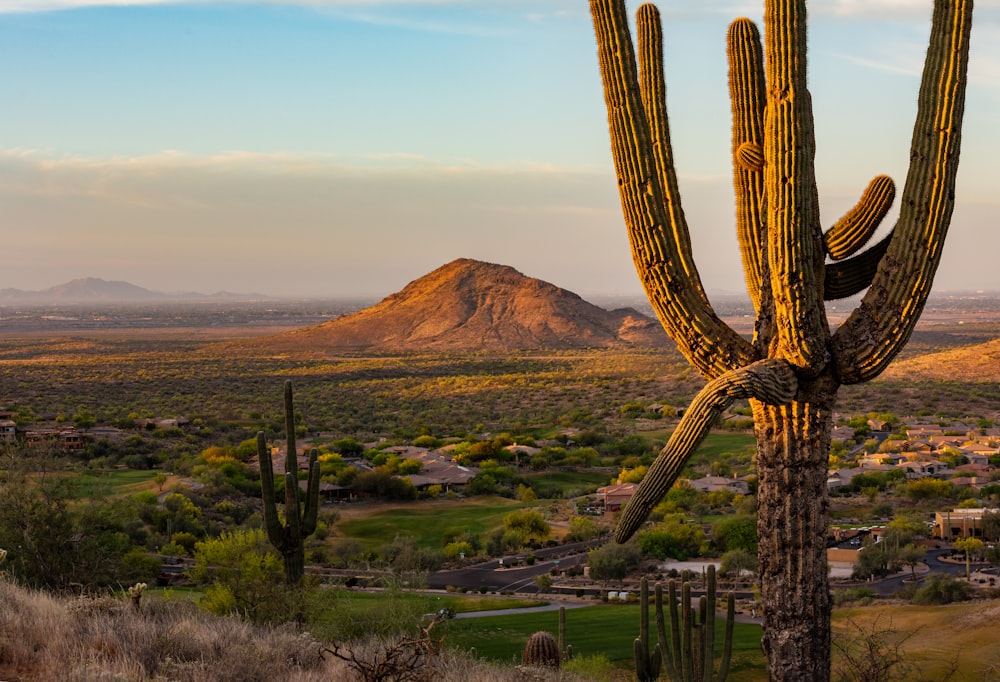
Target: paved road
498, 576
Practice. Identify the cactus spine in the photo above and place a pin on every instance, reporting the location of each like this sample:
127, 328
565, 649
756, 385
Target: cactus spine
289, 537
541, 650
784, 254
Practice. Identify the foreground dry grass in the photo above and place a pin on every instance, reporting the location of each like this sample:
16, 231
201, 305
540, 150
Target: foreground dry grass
956, 641
95, 640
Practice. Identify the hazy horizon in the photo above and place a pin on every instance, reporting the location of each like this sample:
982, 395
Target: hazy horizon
317, 148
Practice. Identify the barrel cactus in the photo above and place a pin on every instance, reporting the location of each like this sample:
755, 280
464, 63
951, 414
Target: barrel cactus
541, 650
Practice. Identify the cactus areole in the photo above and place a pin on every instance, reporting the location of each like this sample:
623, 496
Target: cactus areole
793, 366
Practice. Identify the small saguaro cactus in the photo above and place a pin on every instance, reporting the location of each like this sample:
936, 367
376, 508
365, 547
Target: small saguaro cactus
690, 657
565, 650
648, 661
300, 522
541, 650
793, 367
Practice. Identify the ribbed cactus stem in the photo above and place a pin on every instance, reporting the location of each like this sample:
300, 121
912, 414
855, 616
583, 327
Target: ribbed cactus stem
876, 331
289, 537
771, 381
857, 226
748, 96
676, 294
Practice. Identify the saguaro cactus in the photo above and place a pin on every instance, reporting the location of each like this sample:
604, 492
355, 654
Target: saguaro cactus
691, 657
793, 367
300, 522
649, 659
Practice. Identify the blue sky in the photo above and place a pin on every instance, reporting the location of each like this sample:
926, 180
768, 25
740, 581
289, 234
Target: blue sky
346, 147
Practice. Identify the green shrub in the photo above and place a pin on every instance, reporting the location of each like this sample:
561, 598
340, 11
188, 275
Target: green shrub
942, 589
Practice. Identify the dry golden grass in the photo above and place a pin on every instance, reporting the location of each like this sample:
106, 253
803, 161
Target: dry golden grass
88, 639
936, 637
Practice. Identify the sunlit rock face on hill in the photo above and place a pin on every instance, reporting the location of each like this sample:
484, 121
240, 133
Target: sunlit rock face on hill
469, 305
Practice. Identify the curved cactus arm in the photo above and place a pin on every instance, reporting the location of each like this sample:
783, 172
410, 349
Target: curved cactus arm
858, 225
275, 529
794, 239
747, 96
770, 381
675, 293
855, 274
653, 92
876, 331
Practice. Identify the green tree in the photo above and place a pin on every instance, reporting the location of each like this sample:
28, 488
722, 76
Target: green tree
736, 562
582, 528
244, 576
528, 525
736, 532
972, 548
674, 538
613, 561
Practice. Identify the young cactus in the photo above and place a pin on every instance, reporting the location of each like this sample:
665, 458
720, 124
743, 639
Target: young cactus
691, 658
289, 537
566, 650
541, 650
648, 662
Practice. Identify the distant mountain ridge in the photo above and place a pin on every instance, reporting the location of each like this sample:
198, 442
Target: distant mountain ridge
467, 305
96, 290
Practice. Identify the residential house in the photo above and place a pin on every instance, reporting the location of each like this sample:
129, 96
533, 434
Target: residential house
616, 496
960, 523
8, 431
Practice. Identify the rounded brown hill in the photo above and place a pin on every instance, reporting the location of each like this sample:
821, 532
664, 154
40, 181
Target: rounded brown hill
472, 305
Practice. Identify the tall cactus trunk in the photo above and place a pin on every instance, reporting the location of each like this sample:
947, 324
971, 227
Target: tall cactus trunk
792, 450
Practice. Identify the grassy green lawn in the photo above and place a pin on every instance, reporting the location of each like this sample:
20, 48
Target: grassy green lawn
428, 522
603, 629
90, 484
564, 481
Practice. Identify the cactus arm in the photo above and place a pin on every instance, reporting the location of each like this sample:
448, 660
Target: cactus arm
876, 331
311, 512
675, 631
687, 641
771, 381
747, 96
275, 529
794, 239
727, 648
676, 294
666, 654
858, 225
709, 625
853, 275
653, 93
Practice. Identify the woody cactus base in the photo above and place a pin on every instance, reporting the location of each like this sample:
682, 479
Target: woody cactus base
794, 365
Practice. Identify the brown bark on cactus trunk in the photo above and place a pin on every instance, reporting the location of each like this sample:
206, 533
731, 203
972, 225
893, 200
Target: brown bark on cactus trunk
792, 450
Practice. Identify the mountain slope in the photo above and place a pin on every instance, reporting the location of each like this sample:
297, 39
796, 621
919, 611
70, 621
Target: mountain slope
977, 363
469, 304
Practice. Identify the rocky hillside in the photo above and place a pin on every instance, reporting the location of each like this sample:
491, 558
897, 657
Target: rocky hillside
469, 305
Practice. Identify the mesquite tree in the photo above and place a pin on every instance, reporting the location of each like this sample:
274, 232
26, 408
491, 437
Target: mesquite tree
793, 366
